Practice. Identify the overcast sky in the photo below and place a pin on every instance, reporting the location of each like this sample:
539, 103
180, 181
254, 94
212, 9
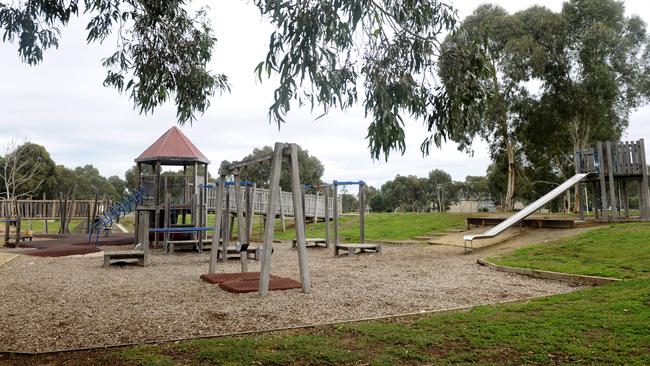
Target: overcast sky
62, 105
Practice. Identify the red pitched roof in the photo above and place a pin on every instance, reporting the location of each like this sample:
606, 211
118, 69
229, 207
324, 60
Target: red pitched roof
173, 147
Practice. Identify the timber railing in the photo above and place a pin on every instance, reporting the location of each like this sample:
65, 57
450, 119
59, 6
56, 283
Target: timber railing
51, 209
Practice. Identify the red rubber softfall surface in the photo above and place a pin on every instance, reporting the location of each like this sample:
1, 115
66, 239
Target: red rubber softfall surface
217, 278
240, 282
72, 244
275, 283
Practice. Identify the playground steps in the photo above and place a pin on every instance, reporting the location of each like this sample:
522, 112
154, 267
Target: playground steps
357, 248
120, 256
119, 209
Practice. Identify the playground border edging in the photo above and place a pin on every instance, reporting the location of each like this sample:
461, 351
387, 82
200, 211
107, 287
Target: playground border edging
550, 275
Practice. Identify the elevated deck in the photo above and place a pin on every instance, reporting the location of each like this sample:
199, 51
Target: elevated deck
539, 222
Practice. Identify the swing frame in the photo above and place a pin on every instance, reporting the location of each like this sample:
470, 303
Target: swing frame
280, 152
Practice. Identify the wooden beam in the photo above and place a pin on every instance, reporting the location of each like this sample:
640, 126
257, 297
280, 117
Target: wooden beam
362, 213
299, 217
645, 197
327, 215
612, 188
216, 234
603, 189
242, 230
276, 166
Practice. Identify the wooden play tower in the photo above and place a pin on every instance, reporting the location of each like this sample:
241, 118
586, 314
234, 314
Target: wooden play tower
617, 171
173, 148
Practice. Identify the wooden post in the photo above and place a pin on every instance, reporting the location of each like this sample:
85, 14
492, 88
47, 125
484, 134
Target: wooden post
144, 219
299, 216
7, 228
241, 227
316, 208
45, 215
167, 221
194, 221
226, 227
603, 189
644, 197
18, 220
303, 195
594, 198
327, 215
216, 234
201, 217
612, 188
626, 200
335, 206
250, 212
196, 177
274, 189
581, 209
283, 221
362, 213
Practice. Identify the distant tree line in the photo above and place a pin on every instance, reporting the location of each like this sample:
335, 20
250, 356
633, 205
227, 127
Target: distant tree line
422, 194
28, 171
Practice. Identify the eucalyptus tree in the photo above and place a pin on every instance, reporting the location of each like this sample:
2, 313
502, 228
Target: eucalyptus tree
322, 52
311, 169
603, 71
485, 99
597, 72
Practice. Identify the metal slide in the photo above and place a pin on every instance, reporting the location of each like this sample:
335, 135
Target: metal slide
516, 218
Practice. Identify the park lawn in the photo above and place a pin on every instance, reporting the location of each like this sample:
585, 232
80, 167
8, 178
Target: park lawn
385, 226
379, 226
600, 325
620, 250
53, 226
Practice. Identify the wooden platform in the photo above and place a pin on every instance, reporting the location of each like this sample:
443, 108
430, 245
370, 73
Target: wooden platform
551, 223
358, 248
315, 242
138, 255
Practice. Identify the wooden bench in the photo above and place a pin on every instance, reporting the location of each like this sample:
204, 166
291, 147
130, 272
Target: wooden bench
362, 248
315, 242
186, 244
251, 253
139, 255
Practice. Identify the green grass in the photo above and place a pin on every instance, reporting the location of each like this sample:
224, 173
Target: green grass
621, 250
38, 226
385, 226
379, 226
608, 325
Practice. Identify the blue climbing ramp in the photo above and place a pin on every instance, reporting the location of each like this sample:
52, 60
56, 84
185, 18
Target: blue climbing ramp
118, 209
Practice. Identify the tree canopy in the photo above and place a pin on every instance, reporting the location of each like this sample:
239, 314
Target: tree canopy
311, 170
324, 54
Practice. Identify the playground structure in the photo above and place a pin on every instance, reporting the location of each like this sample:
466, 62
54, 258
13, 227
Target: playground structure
280, 152
189, 198
611, 168
608, 168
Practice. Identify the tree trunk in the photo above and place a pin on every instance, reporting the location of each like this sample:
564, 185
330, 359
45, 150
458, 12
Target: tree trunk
510, 192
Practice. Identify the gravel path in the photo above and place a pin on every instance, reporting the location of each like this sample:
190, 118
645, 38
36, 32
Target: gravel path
58, 303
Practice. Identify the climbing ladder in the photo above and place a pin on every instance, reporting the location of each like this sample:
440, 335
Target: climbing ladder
119, 209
